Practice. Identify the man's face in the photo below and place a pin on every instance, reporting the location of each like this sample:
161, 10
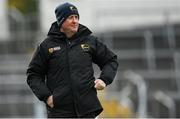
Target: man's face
71, 24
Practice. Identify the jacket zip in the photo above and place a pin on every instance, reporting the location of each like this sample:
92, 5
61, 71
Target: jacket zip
68, 43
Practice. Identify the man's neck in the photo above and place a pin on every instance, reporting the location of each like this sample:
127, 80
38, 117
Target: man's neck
68, 33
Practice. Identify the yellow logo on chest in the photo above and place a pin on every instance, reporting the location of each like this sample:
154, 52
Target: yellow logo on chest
85, 47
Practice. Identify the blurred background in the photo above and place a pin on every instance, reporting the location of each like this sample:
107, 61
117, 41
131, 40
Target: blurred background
145, 34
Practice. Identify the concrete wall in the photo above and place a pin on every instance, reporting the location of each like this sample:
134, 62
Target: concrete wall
4, 33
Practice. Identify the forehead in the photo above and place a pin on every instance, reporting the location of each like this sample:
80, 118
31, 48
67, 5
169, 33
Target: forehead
73, 15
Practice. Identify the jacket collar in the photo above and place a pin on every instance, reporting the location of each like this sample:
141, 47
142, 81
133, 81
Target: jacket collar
54, 32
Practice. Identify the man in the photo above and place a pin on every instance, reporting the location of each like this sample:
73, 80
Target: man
61, 73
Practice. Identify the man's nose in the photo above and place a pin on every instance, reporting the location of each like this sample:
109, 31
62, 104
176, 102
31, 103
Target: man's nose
75, 19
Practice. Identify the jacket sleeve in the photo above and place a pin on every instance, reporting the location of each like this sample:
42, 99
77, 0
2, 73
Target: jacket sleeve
106, 60
36, 74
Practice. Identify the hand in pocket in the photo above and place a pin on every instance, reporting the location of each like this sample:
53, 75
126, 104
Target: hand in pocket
50, 101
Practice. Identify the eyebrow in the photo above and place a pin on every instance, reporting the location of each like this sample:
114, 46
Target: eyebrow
73, 16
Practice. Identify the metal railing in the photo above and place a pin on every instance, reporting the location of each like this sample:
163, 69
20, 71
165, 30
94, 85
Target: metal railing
140, 84
167, 101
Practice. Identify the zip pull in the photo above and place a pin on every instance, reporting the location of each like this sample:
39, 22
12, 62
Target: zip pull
68, 42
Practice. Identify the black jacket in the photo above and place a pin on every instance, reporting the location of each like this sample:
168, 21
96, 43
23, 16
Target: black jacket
62, 67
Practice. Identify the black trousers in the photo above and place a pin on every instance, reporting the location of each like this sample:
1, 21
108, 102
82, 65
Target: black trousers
67, 113
59, 115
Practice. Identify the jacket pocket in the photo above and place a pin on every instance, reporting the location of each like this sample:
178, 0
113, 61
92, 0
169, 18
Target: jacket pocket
62, 96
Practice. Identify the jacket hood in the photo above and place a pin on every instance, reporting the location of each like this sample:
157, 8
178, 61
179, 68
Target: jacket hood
54, 31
